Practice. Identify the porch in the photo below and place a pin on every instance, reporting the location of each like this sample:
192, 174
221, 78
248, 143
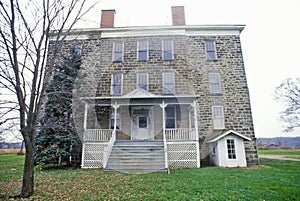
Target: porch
141, 119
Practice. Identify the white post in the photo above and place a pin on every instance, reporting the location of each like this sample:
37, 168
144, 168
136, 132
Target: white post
196, 133
115, 106
86, 108
163, 106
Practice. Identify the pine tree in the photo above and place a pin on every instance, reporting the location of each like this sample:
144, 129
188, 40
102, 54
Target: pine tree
57, 135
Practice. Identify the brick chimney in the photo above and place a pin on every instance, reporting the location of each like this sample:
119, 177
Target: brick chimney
178, 17
107, 18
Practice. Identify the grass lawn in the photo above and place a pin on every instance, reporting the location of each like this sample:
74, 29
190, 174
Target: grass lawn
274, 180
287, 153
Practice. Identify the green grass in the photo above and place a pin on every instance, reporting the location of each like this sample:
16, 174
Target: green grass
280, 152
274, 180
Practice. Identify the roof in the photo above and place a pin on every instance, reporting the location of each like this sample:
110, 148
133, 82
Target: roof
219, 136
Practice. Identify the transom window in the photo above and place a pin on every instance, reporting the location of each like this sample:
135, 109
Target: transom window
118, 51
214, 83
218, 117
142, 81
170, 117
211, 52
231, 149
168, 83
167, 47
142, 53
116, 84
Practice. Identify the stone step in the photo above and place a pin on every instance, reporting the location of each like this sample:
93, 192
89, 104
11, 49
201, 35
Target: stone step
137, 157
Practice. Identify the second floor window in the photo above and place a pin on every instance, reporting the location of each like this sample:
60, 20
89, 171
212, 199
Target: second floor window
168, 83
211, 52
118, 51
142, 53
214, 83
218, 117
167, 47
116, 84
142, 81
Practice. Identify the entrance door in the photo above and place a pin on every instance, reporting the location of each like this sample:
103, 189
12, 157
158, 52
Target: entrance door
142, 123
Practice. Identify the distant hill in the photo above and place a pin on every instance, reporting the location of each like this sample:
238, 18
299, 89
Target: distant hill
279, 141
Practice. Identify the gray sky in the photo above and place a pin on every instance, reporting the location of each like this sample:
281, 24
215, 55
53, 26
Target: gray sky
269, 41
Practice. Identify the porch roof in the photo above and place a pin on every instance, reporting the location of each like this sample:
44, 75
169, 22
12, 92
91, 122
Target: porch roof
139, 95
219, 136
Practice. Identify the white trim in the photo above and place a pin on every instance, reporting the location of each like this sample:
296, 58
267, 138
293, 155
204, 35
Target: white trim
227, 133
189, 30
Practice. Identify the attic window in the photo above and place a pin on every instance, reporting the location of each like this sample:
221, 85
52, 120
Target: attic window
231, 149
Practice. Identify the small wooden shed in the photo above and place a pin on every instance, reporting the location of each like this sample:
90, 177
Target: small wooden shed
227, 149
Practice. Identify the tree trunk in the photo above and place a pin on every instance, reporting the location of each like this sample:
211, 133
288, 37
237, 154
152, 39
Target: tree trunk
28, 173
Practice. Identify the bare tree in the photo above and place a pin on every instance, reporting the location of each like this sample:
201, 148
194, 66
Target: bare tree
25, 28
288, 92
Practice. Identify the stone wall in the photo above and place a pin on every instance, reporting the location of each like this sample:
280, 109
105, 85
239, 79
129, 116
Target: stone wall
190, 68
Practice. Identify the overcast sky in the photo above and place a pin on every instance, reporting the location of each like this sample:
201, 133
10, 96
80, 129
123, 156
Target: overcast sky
270, 41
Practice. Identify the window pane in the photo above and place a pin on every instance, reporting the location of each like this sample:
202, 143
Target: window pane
168, 83
118, 52
167, 50
143, 122
112, 121
142, 81
211, 53
116, 84
170, 117
142, 51
214, 82
218, 117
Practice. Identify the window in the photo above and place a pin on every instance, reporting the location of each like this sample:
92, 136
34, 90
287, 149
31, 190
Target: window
170, 117
116, 84
167, 47
168, 83
231, 149
77, 49
218, 117
211, 53
142, 53
142, 81
112, 120
118, 52
214, 83
143, 122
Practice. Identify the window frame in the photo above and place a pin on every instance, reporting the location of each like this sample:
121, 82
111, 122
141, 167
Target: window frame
231, 148
142, 50
138, 83
114, 59
167, 50
172, 84
217, 119
211, 52
214, 86
171, 118
112, 85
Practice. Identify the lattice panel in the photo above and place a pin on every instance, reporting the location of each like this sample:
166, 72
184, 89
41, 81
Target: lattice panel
182, 155
92, 155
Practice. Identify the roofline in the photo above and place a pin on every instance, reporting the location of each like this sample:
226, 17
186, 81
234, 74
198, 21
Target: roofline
209, 29
144, 97
227, 133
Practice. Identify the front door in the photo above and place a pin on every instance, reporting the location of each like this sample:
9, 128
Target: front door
142, 123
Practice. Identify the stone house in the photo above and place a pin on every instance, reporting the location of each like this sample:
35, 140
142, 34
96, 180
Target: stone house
154, 98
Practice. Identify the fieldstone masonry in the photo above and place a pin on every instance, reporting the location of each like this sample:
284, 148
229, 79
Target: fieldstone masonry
190, 67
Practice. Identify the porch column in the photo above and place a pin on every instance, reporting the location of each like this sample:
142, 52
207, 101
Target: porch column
115, 106
196, 131
163, 106
86, 108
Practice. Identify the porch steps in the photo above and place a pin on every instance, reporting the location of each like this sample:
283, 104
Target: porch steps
137, 157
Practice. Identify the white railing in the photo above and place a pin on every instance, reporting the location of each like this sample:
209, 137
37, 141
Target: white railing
108, 149
178, 134
96, 135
